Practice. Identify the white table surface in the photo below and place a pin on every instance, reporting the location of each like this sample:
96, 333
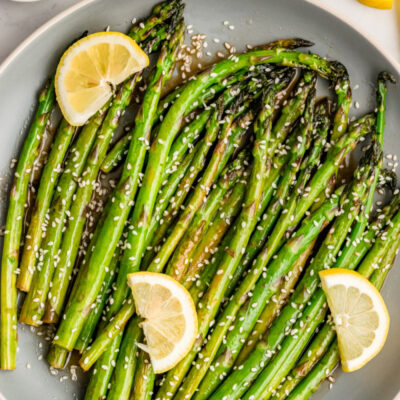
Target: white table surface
18, 20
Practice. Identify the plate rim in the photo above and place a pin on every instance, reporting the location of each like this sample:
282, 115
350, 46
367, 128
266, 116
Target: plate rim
70, 10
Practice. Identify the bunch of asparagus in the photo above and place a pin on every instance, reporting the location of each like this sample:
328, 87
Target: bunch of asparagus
230, 184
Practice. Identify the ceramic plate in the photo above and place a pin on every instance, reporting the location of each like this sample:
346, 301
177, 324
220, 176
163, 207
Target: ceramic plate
254, 22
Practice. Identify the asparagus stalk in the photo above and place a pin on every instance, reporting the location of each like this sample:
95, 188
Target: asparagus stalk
48, 181
177, 266
121, 382
72, 236
140, 35
286, 183
290, 112
314, 375
357, 195
118, 211
91, 323
343, 103
167, 132
12, 235
220, 85
209, 351
209, 305
115, 155
214, 234
98, 383
144, 379
273, 307
32, 312
213, 168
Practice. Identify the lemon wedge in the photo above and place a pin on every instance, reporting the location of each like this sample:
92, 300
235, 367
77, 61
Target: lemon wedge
91, 68
359, 313
381, 4
170, 319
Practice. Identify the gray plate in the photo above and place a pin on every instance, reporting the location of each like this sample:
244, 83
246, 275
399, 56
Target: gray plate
255, 21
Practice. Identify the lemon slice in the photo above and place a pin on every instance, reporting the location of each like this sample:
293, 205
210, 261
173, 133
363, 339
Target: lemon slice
360, 316
170, 319
382, 4
90, 69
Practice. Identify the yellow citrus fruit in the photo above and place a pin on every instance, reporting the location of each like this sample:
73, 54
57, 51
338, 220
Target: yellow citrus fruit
382, 4
170, 319
91, 68
359, 313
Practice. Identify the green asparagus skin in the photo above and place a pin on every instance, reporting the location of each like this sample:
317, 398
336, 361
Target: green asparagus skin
117, 214
65, 189
177, 265
144, 379
98, 384
48, 181
300, 204
343, 103
314, 375
74, 318
199, 159
214, 234
319, 373
232, 173
91, 323
223, 323
212, 171
12, 235
71, 238
121, 382
357, 195
270, 216
291, 348
273, 307
326, 335
57, 357
115, 155
161, 222
266, 383
77, 218
140, 35
247, 219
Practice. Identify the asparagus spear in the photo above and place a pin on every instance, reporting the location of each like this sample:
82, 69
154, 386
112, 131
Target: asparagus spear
286, 183
212, 237
124, 372
47, 183
140, 35
316, 374
208, 352
289, 114
12, 235
167, 132
83, 195
357, 194
208, 306
157, 232
121, 147
273, 307
66, 187
91, 323
98, 383
177, 266
115, 155
144, 379
377, 144
221, 84
118, 211
343, 103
